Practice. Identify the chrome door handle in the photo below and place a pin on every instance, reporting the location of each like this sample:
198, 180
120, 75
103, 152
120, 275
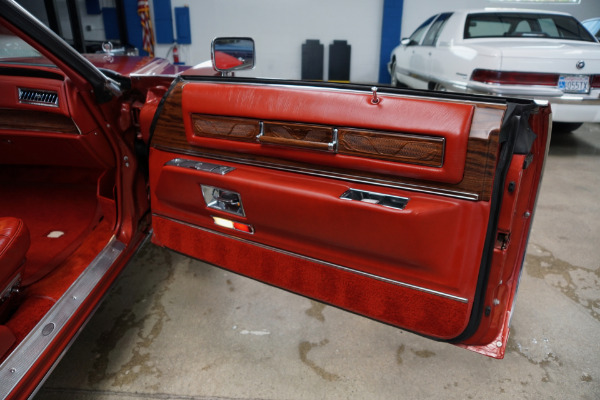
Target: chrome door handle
226, 197
223, 200
385, 200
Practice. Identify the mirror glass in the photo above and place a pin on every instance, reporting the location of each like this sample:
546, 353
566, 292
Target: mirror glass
233, 53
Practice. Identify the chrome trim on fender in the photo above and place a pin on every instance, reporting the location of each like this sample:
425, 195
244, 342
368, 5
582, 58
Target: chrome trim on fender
535, 92
326, 263
574, 99
331, 175
18, 363
532, 92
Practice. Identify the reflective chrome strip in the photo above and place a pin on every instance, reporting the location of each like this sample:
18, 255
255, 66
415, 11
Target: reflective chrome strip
332, 175
200, 166
326, 263
16, 365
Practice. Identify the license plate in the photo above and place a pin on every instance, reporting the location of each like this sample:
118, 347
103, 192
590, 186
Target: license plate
574, 83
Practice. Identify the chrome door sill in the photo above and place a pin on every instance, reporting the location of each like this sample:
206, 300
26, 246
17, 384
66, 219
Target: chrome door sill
24, 356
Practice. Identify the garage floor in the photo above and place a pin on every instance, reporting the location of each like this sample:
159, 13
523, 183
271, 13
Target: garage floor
174, 328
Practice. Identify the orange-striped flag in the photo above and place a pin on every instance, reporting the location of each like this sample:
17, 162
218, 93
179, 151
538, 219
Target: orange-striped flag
147, 36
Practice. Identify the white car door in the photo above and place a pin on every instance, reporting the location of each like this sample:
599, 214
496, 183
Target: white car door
411, 60
435, 61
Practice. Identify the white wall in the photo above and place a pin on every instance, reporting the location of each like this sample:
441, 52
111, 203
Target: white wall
417, 11
280, 27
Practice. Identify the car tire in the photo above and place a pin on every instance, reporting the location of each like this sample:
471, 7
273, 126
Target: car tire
565, 127
438, 87
394, 80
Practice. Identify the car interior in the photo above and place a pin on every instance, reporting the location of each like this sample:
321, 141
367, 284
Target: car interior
57, 178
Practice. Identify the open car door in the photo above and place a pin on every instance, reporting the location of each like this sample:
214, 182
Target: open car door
410, 208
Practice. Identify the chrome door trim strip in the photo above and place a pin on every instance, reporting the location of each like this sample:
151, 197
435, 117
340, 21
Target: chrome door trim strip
18, 363
199, 166
332, 175
326, 263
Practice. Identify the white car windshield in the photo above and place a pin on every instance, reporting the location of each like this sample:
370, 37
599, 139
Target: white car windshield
525, 25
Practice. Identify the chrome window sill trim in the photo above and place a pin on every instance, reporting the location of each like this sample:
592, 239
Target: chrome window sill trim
325, 263
332, 175
24, 356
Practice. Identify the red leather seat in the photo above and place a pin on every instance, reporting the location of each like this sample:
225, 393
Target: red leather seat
14, 243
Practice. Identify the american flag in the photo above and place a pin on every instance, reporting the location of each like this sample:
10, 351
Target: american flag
147, 37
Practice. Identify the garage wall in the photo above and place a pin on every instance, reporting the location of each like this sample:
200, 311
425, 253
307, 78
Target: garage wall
417, 11
280, 27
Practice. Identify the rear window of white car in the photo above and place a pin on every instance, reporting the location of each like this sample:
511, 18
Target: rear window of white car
525, 25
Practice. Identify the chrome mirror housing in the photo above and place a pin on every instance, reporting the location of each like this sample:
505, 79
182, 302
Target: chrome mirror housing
232, 54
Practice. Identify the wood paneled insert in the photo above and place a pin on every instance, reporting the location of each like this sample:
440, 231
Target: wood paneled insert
299, 135
398, 147
394, 147
39, 121
225, 127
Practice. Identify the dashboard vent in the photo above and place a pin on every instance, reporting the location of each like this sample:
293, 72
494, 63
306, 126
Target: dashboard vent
39, 97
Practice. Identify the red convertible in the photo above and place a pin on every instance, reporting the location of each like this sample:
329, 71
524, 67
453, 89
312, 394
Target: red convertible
412, 208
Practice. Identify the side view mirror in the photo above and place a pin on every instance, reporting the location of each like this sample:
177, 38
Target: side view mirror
232, 54
407, 42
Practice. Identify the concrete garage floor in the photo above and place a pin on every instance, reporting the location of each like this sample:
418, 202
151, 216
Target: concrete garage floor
174, 328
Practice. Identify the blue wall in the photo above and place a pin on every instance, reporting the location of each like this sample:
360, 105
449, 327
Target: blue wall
390, 35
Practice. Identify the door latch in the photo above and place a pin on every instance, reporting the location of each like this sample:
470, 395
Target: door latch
223, 200
502, 240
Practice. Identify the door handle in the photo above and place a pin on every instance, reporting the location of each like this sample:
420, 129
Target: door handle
227, 197
385, 200
223, 200
269, 135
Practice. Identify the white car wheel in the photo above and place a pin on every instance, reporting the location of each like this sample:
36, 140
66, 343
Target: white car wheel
440, 88
394, 81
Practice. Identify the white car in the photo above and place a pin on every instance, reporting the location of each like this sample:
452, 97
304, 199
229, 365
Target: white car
518, 53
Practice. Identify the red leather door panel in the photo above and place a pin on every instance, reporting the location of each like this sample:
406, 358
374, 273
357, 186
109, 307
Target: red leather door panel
382, 209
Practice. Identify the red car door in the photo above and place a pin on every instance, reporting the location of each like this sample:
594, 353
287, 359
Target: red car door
404, 207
